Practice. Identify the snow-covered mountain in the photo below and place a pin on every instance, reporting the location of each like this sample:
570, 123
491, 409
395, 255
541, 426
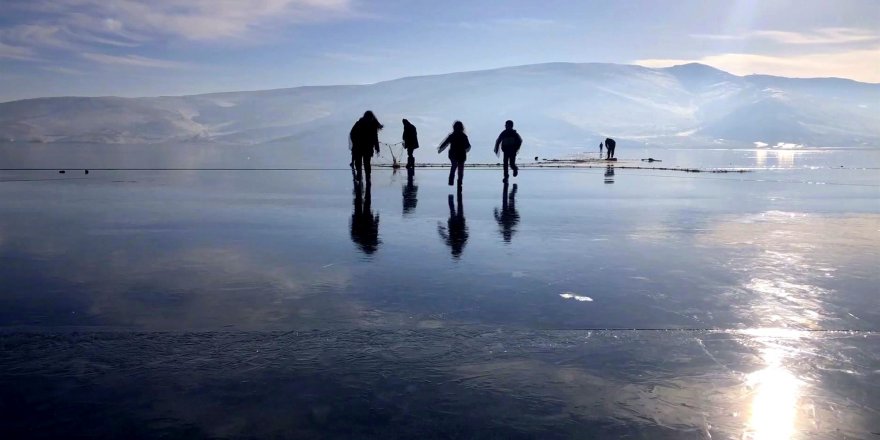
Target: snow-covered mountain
558, 107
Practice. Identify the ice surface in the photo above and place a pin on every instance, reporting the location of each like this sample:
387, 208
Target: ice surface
241, 303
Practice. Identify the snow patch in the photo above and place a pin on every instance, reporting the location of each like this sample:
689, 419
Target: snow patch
571, 295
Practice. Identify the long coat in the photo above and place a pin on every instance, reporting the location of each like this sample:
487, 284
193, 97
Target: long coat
364, 138
410, 137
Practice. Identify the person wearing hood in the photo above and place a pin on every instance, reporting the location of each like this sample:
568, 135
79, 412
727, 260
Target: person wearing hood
364, 137
410, 142
509, 141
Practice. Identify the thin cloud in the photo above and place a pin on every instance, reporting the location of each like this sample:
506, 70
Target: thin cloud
354, 57
860, 65
824, 36
133, 61
16, 52
201, 20
821, 36
64, 70
720, 37
515, 24
88, 27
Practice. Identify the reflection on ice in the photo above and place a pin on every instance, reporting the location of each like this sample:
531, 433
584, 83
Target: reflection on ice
788, 262
775, 389
760, 158
455, 233
364, 223
785, 158
774, 407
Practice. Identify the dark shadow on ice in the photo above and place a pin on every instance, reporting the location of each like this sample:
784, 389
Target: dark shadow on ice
364, 224
609, 174
508, 217
455, 233
410, 192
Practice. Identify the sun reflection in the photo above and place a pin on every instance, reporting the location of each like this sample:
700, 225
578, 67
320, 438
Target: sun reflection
760, 158
775, 389
774, 406
785, 158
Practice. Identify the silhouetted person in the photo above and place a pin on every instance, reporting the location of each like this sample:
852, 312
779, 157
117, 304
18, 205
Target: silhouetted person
509, 141
364, 138
600, 149
609, 146
508, 217
410, 192
410, 142
364, 224
459, 146
609, 174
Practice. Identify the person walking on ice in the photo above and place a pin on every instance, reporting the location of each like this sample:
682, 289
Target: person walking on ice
364, 138
509, 141
459, 146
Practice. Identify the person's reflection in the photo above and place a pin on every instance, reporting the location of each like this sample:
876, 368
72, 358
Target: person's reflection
364, 224
609, 174
455, 233
508, 217
410, 192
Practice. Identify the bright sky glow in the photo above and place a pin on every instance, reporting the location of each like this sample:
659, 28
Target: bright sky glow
162, 47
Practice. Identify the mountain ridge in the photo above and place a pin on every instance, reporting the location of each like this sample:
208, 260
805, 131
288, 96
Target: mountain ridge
557, 106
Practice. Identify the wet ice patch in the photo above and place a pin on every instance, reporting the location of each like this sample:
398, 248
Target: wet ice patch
572, 295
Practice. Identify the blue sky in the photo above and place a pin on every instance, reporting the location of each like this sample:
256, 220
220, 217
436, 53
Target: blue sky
170, 47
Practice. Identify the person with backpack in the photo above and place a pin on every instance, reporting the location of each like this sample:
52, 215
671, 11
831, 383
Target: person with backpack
364, 138
509, 141
459, 146
410, 142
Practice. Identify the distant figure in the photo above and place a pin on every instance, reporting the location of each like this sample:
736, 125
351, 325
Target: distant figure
410, 192
364, 137
609, 174
508, 217
410, 142
509, 141
600, 150
364, 224
455, 233
459, 146
609, 146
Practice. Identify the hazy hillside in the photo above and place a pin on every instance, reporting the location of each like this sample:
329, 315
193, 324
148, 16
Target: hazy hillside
558, 108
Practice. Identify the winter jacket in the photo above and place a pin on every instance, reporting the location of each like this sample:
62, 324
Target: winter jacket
509, 140
364, 137
410, 137
459, 145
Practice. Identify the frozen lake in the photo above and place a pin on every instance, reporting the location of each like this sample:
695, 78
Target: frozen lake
590, 303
